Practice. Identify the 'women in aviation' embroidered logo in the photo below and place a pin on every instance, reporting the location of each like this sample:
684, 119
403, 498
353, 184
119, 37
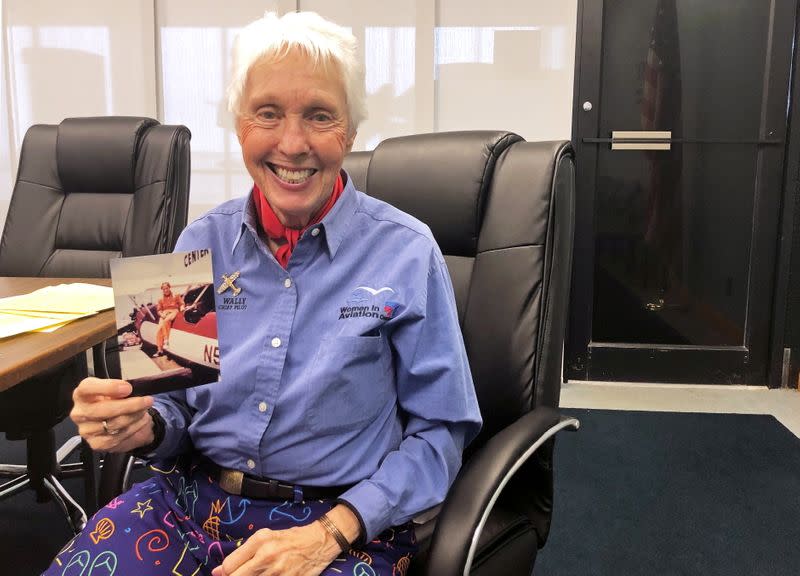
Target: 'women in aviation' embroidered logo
361, 304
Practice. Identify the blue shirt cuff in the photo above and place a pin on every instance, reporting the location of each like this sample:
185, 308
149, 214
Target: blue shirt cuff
373, 508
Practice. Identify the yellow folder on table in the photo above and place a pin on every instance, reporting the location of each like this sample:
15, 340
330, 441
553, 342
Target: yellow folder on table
49, 308
75, 298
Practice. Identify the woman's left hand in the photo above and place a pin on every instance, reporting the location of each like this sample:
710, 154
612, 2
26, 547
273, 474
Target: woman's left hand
301, 551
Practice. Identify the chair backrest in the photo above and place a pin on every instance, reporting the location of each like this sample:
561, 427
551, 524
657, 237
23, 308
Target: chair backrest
501, 210
92, 189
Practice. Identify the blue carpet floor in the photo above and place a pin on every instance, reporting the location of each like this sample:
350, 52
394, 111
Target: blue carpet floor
646, 493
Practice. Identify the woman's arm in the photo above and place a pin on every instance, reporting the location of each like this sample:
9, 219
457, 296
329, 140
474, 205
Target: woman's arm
437, 396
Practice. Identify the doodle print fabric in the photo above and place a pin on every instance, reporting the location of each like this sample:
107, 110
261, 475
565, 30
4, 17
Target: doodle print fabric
185, 524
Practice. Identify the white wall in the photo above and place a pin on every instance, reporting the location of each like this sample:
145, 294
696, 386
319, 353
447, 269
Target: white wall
510, 67
430, 66
6, 163
62, 59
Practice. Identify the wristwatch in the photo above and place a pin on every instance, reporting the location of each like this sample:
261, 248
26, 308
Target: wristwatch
159, 427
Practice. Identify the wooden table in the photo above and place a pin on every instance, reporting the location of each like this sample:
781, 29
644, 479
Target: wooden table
25, 355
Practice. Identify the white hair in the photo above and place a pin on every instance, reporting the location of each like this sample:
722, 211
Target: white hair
322, 41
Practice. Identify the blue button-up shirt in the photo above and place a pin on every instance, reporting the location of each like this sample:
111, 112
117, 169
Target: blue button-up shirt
348, 367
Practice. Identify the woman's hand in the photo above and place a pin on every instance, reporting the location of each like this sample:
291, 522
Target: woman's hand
108, 419
300, 551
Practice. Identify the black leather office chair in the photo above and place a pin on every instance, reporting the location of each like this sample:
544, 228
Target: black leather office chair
501, 209
502, 212
87, 190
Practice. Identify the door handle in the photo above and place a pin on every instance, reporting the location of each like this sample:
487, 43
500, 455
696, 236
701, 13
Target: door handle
640, 139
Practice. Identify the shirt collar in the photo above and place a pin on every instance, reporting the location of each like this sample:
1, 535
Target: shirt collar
336, 223
333, 226
249, 219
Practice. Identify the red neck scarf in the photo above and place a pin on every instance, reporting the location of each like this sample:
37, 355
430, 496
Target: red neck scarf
287, 237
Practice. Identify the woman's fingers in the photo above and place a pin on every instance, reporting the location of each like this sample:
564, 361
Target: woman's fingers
111, 426
108, 409
240, 557
108, 418
91, 389
137, 433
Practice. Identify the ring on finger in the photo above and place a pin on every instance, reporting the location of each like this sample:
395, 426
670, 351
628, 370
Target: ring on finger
108, 430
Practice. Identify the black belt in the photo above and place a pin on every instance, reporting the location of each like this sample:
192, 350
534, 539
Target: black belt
241, 484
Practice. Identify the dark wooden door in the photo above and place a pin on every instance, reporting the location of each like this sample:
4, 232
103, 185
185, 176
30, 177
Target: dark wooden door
680, 125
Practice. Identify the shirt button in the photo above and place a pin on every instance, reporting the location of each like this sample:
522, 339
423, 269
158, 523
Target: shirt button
315, 232
276, 342
251, 464
288, 282
262, 407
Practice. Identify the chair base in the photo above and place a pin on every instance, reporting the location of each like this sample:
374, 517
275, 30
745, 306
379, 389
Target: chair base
43, 474
76, 516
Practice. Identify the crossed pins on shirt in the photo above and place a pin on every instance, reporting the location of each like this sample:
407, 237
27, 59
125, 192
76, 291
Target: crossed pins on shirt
228, 282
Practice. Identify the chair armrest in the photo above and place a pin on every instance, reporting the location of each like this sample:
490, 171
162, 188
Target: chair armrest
479, 484
114, 476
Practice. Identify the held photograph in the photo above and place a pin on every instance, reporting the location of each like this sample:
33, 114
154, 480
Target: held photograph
166, 321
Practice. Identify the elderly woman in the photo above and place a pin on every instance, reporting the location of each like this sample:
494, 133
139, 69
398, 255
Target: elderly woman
345, 397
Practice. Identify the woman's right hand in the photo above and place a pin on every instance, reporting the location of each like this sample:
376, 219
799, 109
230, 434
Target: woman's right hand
108, 418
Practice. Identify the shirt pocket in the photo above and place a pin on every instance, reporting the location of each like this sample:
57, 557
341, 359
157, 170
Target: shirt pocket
351, 383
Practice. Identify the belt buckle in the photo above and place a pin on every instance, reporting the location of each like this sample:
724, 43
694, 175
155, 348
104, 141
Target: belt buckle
231, 481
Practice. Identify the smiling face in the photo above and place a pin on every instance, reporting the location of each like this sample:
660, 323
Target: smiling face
294, 131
